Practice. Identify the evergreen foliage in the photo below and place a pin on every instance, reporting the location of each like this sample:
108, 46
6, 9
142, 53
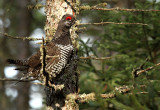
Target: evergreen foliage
128, 46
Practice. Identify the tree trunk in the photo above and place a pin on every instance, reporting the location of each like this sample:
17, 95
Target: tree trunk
58, 99
3, 97
4, 53
23, 29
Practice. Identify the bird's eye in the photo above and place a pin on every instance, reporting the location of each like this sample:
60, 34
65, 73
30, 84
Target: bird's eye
68, 18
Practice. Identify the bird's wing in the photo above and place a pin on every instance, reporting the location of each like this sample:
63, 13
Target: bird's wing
34, 60
58, 57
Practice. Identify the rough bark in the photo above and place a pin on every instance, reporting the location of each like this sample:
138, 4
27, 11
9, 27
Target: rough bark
57, 99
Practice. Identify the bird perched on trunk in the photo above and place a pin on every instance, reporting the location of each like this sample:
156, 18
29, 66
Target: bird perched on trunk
60, 65
59, 52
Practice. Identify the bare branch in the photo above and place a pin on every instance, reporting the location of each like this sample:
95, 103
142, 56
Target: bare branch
86, 97
147, 69
87, 7
95, 58
92, 96
100, 58
101, 23
20, 80
23, 38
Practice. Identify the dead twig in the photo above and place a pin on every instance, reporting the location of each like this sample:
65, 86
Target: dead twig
147, 69
23, 38
87, 7
95, 58
101, 23
100, 58
20, 80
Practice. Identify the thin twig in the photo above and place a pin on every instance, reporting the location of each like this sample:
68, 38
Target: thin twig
23, 38
100, 58
20, 80
101, 23
96, 58
147, 69
134, 72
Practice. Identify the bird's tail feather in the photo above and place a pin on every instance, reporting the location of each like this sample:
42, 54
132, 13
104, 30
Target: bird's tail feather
21, 69
17, 62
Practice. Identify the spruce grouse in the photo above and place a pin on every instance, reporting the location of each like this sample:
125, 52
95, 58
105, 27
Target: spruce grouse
60, 51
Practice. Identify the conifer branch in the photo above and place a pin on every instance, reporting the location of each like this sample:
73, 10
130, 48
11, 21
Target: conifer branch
87, 7
82, 98
23, 38
147, 69
101, 23
92, 96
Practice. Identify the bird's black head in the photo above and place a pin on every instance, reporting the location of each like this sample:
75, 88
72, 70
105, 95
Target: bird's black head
67, 20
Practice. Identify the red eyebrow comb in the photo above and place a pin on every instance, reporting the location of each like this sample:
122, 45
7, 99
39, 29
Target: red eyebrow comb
68, 18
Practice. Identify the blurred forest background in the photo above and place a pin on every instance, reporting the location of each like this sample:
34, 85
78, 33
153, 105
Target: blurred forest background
128, 47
